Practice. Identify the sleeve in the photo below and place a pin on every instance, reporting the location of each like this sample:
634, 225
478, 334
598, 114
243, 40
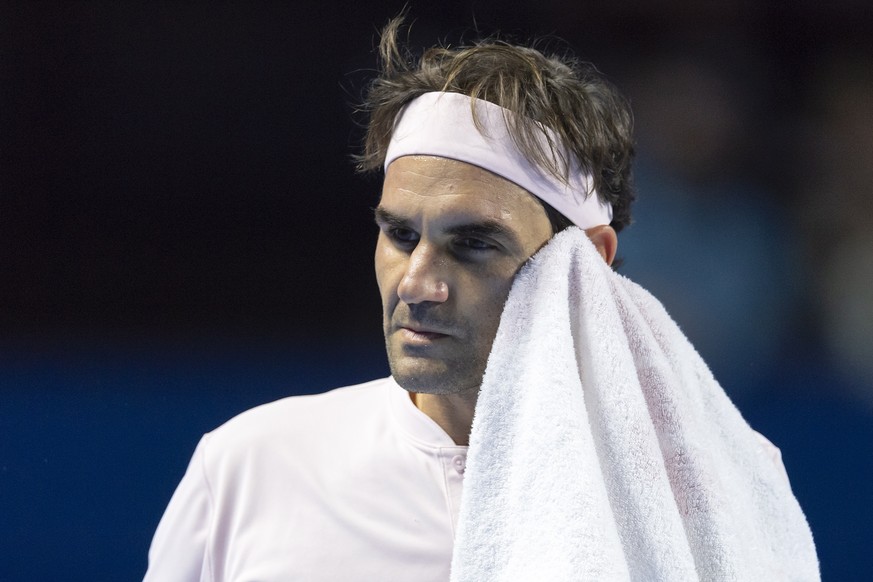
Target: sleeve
178, 550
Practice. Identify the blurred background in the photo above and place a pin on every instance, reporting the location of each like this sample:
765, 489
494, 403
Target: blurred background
182, 235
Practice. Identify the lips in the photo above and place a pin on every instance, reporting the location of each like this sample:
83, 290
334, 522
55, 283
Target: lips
421, 332
420, 335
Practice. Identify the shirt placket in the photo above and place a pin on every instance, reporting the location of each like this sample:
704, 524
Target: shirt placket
454, 463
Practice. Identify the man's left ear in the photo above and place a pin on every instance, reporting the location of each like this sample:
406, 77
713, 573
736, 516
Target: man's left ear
606, 241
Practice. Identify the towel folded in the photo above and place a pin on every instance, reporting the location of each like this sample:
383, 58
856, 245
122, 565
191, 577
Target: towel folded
603, 449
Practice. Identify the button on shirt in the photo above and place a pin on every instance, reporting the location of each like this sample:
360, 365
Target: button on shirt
353, 484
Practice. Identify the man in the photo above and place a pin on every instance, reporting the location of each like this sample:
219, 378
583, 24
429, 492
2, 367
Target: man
481, 144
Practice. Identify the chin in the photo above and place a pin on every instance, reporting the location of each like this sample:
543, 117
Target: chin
446, 369
421, 382
433, 379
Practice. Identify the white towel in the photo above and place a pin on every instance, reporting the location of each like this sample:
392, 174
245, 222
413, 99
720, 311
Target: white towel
602, 447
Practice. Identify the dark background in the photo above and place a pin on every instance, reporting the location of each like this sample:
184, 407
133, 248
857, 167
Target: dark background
183, 236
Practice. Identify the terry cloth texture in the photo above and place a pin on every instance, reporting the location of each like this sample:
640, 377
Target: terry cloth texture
603, 449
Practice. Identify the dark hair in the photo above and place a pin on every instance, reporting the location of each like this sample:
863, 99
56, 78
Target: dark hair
589, 116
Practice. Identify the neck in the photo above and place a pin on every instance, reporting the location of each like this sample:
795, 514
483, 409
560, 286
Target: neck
452, 412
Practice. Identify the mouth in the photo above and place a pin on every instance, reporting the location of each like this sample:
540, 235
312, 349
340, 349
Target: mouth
420, 336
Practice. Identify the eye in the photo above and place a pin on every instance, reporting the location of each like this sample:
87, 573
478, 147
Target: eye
474, 244
403, 235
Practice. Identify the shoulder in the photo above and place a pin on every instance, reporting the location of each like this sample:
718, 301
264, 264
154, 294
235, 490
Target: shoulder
296, 417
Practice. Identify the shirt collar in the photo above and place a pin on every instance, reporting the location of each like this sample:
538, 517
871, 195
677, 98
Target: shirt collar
414, 423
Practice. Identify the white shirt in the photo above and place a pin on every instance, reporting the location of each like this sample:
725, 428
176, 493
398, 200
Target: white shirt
353, 484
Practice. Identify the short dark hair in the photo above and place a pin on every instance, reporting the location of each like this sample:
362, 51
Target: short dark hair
589, 116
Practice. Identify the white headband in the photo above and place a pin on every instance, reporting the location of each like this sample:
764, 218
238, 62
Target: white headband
441, 124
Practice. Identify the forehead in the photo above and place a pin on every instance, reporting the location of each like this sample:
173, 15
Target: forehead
439, 188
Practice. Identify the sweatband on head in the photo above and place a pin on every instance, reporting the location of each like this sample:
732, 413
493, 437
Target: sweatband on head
441, 124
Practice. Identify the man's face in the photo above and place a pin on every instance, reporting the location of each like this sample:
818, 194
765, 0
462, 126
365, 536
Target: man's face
452, 237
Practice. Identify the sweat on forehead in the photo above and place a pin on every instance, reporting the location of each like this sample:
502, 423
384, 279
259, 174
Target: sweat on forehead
443, 124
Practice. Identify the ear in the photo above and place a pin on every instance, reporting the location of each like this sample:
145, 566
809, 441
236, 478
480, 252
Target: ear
606, 241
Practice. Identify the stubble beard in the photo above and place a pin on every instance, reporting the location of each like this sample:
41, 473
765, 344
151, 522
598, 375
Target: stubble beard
435, 375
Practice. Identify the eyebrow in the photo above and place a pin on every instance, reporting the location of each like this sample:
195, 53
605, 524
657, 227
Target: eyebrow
389, 218
486, 228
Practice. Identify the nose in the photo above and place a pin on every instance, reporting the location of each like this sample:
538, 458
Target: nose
423, 280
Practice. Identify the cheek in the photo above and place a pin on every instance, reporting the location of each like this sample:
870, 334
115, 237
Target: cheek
386, 267
488, 306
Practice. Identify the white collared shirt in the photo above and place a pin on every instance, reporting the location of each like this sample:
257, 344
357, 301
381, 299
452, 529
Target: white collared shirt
353, 484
